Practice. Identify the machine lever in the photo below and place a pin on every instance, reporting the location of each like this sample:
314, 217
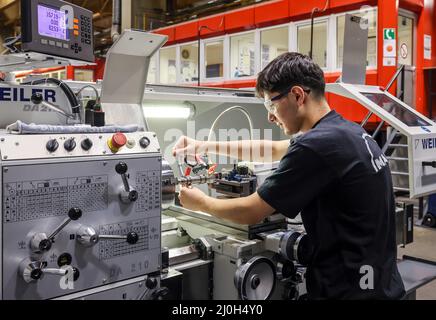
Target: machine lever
40, 242
32, 271
429, 164
129, 194
88, 236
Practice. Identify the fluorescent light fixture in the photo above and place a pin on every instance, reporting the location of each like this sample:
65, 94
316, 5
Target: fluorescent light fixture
168, 111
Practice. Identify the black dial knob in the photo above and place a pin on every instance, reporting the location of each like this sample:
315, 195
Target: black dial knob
36, 274
86, 144
74, 214
70, 144
133, 195
144, 142
121, 168
52, 145
151, 283
132, 238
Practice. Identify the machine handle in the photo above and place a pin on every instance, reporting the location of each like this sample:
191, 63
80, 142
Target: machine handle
128, 195
429, 164
88, 236
131, 237
40, 242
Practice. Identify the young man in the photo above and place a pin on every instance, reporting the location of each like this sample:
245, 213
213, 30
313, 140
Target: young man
334, 174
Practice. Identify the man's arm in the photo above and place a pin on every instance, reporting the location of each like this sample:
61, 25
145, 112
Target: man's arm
245, 210
246, 150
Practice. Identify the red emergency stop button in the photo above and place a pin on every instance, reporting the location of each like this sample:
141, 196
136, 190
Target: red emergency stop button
117, 141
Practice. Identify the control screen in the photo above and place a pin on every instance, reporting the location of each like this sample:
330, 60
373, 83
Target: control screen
396, 109
52, 23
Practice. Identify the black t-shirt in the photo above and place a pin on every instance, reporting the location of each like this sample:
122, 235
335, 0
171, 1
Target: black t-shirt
337, 177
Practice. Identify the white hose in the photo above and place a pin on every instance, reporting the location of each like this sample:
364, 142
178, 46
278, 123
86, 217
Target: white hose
247, 115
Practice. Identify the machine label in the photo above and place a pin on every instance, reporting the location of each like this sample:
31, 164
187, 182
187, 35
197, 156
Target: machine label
23, 95
429, 143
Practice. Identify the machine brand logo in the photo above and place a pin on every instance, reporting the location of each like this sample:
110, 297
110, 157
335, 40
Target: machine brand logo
429, 143
425, 129
25, 94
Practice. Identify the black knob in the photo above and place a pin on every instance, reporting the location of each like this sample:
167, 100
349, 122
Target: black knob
121, 168
65, 259
36, 98
144, 142
86, 144
36, 274
70, 144
132, 238
74, 213
45, 245
133, 195
52, 145
151, 283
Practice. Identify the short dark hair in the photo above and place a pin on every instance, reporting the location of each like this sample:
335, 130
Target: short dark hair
291, 69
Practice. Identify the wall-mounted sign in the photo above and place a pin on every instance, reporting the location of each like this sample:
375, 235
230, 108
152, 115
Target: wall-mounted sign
427, 47
389, 43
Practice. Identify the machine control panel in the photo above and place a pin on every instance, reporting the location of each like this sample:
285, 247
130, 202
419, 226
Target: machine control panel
77, 220
58, 28
21, 147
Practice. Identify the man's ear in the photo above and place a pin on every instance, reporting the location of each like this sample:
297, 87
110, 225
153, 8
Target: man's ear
298, 94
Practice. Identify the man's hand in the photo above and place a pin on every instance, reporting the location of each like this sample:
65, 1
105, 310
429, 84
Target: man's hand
188, 147
192, 198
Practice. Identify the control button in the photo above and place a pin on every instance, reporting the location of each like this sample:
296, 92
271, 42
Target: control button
131, 143
86, 144
59, 44
76, 20
144, 142
80, 49
117, 141
66, 46
76, 27
44, 41
76, 33
64, 259
52, 145
52, 43
70, 144
88, 41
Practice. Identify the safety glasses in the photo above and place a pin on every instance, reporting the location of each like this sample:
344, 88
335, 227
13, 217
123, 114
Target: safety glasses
270, 103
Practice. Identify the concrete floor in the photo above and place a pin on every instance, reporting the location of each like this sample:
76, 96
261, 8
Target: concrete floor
423, 246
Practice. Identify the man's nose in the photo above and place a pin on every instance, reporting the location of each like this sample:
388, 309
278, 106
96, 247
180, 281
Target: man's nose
271, 117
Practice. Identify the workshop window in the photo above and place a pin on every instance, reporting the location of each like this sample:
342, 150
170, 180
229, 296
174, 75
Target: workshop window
214, 60
84, 75
274, 42
152, 71
242, 49
319, 42
189, 63
167, 66
371, 15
